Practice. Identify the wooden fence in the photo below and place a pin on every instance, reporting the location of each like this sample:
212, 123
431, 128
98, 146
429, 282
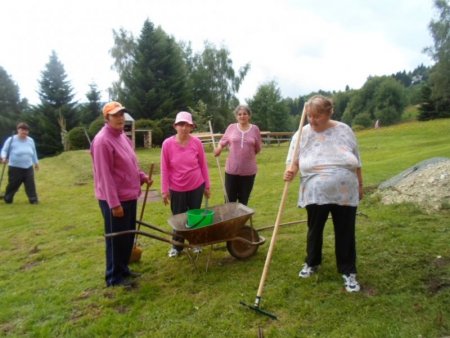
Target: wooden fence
268, 137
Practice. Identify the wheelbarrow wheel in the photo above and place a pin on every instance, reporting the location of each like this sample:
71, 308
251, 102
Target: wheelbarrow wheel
240, 249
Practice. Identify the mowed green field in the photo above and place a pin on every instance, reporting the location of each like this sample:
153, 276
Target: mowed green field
52, 259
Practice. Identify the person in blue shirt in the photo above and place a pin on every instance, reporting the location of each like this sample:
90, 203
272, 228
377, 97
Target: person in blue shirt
19, 152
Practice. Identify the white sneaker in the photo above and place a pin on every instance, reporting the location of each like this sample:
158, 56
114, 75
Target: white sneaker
197, 250
350, 283
307, 271
173, 252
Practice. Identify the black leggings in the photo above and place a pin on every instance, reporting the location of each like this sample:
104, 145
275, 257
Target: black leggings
239, 188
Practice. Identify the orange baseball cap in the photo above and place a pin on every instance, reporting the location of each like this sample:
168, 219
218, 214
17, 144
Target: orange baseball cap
112, 108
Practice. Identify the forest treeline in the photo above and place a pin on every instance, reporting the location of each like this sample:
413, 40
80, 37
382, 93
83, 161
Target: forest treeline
158, 76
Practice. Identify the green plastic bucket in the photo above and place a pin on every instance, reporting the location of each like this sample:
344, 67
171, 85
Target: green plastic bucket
198, 218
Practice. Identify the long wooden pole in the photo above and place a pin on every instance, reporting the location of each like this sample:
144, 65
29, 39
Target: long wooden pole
225, 195
150, 173
279, 215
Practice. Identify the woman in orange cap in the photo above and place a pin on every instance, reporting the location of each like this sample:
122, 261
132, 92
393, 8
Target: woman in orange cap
117, 180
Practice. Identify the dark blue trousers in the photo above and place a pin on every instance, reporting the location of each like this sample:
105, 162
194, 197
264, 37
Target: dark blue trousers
118, 248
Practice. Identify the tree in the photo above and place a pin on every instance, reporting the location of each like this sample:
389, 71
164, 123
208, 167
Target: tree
152, 74
215, 83
390, 101
91, 110
427, 111
440, 52
340, 102
381, 97
10, 104
270, 111
56, 114
295, 105
123, 54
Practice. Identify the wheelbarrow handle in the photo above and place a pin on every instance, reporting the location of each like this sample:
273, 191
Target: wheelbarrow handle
154, 227
143, 233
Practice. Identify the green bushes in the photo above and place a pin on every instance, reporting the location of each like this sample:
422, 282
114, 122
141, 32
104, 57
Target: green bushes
77, 139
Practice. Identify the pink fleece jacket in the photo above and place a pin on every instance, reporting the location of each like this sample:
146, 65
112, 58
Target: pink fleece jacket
183, 168
117, 176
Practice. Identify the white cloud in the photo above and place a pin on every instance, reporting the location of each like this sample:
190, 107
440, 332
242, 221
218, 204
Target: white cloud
303, 45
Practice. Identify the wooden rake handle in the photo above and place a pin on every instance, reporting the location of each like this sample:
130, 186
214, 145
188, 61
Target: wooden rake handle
279, 215
147, 188
225, 195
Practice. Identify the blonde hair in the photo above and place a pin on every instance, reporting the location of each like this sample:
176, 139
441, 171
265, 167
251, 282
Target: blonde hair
321, 104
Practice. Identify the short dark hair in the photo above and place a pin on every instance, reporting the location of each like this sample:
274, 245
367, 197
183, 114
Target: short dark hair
23, 125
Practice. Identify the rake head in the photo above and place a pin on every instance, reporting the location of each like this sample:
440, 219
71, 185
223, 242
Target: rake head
258, 309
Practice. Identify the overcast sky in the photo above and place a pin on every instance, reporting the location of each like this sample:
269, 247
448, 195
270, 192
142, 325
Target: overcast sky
303, 45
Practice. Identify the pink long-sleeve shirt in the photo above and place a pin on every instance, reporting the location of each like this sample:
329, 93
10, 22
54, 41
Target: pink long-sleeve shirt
117, 176
183, 168
243, 145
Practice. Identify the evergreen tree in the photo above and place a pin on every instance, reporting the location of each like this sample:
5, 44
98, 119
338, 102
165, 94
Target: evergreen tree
153, 79
10, 105
93, 109
56, 114
427, 110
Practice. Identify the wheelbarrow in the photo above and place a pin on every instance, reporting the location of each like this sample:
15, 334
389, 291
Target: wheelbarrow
228, 225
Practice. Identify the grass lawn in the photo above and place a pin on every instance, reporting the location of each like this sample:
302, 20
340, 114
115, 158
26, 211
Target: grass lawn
52, 259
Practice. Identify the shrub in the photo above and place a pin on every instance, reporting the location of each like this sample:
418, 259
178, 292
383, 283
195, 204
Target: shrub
95, 127
76, 139
166, 126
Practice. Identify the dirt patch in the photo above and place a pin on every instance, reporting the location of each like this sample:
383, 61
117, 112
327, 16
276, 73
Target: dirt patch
426, 184
438, 278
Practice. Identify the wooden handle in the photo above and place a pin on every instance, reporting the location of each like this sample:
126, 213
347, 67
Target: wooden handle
279, 214
150, 173
218, 163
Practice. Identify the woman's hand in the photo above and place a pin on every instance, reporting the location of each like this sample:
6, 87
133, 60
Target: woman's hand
117, 211
207, 193
166, 198
217, 150
148, 180
288, 175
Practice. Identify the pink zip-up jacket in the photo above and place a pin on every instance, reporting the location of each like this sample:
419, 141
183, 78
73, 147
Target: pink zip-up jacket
117, 176
244, 145
183, 168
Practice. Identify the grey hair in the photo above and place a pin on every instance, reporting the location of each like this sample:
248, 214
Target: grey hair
244, 107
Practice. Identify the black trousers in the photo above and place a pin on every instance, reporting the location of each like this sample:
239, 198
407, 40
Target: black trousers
182, 201
344, 218
17, 176
239, 188
118, 248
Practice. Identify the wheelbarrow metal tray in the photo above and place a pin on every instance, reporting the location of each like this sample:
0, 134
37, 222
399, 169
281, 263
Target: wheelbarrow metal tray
228, 219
